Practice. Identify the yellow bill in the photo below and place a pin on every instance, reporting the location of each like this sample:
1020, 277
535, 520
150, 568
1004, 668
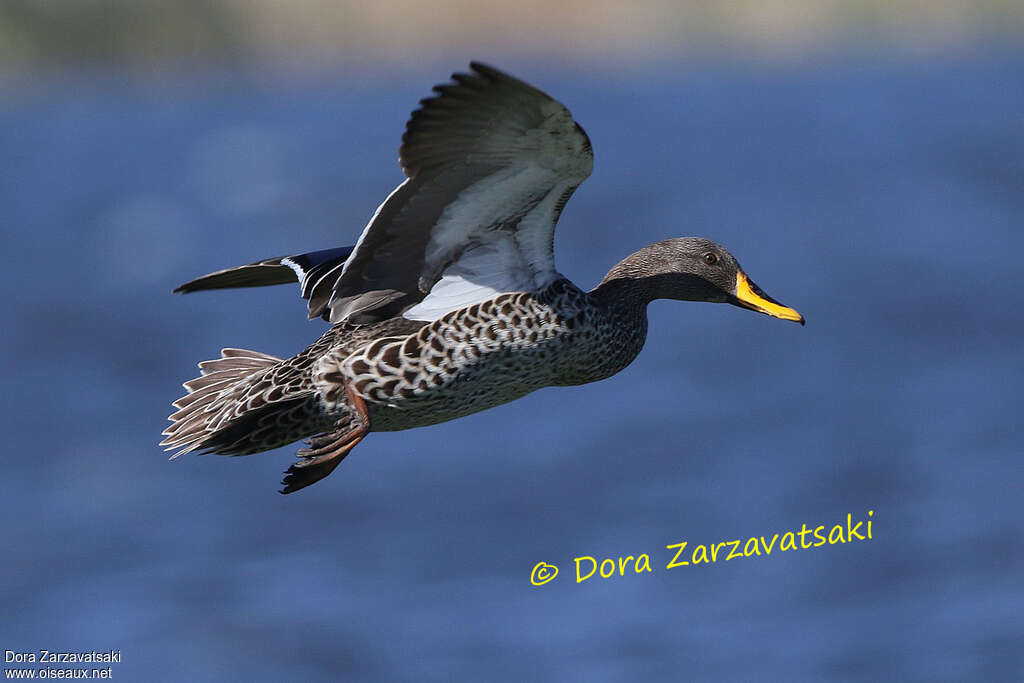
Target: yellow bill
749, 295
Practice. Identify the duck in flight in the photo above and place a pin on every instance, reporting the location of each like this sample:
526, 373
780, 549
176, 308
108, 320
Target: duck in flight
449, 303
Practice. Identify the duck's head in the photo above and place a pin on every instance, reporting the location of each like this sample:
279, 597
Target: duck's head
697, 269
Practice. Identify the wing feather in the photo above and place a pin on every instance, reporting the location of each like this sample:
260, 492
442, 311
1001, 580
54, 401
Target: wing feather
316, 272
491, 162
489, 158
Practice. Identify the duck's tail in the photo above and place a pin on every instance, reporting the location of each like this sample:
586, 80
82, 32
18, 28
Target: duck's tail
236, 407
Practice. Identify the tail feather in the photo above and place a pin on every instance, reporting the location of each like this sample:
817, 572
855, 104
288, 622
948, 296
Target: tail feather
214, 379
234, 360
213, 401
247, 402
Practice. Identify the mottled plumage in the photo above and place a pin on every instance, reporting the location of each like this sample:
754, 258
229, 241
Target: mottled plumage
449, 303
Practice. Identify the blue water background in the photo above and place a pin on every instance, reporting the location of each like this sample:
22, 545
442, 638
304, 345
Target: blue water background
883, 199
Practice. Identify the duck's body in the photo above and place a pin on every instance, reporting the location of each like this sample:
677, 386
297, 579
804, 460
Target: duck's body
456, 335
412, 373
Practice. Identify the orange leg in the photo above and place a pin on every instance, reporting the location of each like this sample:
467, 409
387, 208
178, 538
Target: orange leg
326, 451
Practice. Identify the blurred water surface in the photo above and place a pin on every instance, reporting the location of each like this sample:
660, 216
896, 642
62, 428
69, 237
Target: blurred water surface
884, 201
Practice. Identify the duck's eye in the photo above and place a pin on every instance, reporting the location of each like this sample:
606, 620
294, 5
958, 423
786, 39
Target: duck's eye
711, 258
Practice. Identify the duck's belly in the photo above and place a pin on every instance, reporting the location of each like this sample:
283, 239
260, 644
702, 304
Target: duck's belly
469, 392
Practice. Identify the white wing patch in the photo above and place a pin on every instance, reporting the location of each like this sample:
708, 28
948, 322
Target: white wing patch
298, 270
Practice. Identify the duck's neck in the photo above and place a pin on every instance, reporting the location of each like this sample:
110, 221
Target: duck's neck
625, 299
626, 289
624, 294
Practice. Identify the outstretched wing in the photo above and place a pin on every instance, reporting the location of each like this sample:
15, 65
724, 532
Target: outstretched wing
491, 163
